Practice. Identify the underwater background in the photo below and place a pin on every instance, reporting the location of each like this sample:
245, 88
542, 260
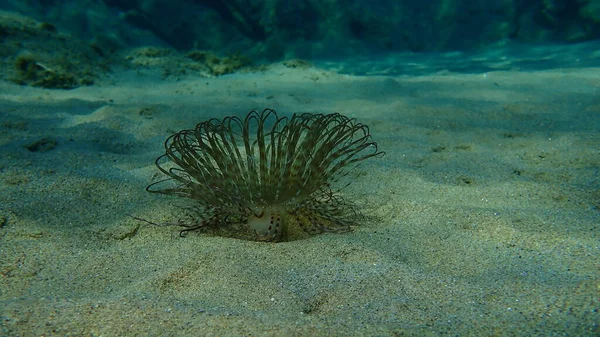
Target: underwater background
482, 218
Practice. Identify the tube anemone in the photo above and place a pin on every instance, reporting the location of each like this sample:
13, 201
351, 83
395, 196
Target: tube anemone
266, 174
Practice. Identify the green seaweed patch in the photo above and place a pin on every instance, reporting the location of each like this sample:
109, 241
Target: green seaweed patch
174, 64
220, 65
153, 52
149, 57
36, 54
30, 71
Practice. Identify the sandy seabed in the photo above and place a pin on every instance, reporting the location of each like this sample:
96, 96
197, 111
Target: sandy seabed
483, 217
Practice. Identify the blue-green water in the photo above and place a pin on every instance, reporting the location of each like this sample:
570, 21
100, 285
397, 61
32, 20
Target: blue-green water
481, 219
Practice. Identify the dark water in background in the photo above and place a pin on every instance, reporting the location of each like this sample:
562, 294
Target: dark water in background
352, 36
